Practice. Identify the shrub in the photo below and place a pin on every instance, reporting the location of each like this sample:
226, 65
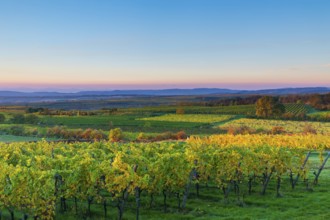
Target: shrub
181, 135
144, 137
116, 135
87, 134
180, 111
278, 130
166, 136
17, 130
31, 119
55, 132
308, 129
18, 119
2, 118
288, 115
97, 135
240, 130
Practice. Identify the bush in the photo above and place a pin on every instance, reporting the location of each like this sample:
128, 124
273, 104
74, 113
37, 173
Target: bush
97, 135
180, 111
56, 131
116, 135
308, 129
278, 130
17, 130
86, 134
2, 118
166, 136
181, 135
31, 119
240, 130
18, 119
143, 137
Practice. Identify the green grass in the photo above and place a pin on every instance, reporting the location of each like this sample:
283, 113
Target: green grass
128, 123
13, 138
322, 115
202, 118
159, 110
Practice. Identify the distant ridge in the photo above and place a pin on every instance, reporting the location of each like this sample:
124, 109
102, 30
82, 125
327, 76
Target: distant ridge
168, 92
14, 97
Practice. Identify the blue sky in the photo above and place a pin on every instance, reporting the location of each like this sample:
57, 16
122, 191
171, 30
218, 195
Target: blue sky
113, 44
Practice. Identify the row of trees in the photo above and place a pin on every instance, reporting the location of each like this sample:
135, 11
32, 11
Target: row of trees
318, 101
20, 119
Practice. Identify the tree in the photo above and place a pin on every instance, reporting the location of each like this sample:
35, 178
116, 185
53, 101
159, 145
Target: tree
269, 106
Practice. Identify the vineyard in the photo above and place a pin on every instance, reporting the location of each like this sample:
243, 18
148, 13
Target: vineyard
45, 180
297, 109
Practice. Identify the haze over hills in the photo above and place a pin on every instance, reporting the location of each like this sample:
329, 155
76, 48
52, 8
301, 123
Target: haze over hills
9, 97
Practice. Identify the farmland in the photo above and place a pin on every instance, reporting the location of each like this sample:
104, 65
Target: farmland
289, 126
164, 110
161, 171
191, 118
164, 165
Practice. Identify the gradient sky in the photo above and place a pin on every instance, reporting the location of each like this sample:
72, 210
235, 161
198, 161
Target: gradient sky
129, 44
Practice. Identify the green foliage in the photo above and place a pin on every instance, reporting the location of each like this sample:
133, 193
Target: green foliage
320, 116
18, 119
24, 119
31, 119
37, 178
2, 118
116, 135
269, 106
17, 130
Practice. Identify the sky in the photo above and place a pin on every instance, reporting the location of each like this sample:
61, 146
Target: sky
155, 44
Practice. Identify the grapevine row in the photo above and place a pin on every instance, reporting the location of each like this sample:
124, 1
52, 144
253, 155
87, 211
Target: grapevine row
36, 176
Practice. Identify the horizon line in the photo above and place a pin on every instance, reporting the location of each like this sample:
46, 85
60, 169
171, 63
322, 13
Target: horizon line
62, 90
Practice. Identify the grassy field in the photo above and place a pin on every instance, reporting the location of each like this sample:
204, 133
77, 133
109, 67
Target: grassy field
289, 126
320, 115
201, 118
128, 123
13, 138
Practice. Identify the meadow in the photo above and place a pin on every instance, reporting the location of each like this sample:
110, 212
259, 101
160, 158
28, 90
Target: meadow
201, 118
262, 125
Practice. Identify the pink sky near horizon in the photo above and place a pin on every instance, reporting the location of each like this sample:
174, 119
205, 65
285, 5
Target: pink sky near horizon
69, 87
